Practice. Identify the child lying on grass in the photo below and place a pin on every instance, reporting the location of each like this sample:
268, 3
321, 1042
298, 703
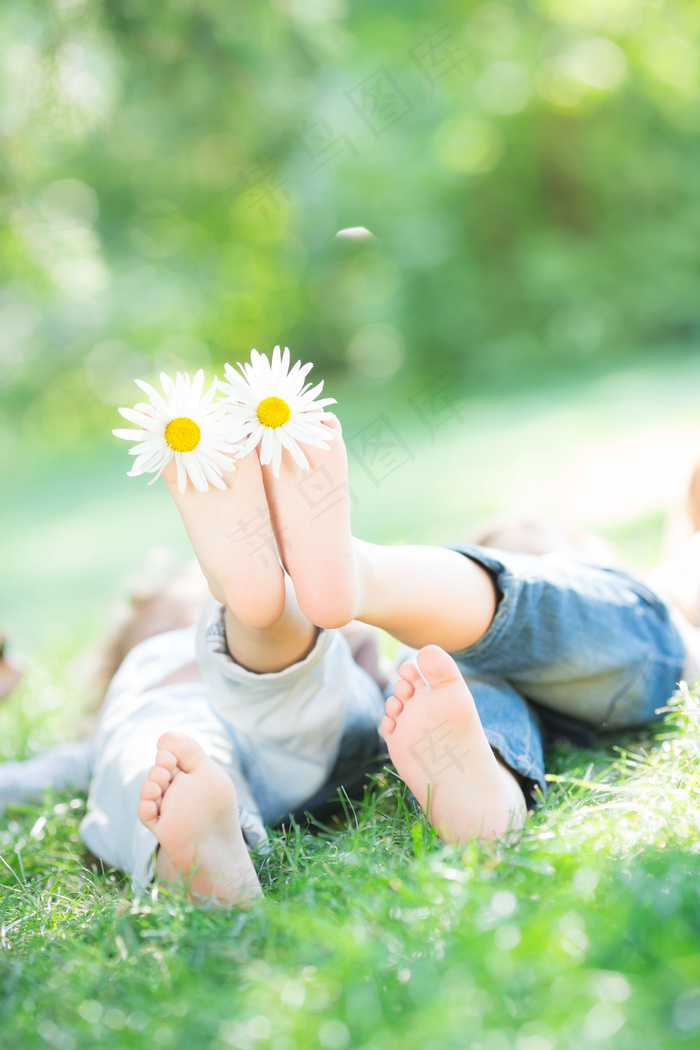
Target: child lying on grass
205, 736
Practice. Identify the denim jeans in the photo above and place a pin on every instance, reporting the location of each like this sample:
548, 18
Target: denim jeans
574, 647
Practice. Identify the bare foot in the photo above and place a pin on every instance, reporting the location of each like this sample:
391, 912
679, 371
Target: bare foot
440, 750
189, 803
232, 537
310, 512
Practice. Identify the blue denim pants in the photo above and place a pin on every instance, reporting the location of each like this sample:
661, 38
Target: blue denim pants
574, 649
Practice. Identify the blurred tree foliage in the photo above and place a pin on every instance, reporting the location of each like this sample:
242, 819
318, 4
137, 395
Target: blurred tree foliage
174, 175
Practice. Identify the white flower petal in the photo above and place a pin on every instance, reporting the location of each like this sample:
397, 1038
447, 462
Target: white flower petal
154, 397
147, 462
266, 446
166, 459
144, 421
215, 456
194, 470
230, 427
168, 385
181, 473
215, 479
130, 435
288, 441
252, 441
197, 385
308, 433
221, 432
276, 456
209, 396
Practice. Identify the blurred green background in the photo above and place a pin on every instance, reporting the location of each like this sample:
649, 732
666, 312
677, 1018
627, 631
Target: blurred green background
174, 177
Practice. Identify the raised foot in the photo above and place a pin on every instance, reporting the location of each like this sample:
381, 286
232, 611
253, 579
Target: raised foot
189, 803
310, 512
439, 748
231, 534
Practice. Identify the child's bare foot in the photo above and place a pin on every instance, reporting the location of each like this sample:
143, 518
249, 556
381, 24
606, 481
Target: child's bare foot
310, 512
440, 750
189, 803
10, 672
232, 537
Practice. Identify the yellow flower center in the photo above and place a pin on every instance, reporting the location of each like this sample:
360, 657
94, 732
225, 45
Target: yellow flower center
273, 412
182, 434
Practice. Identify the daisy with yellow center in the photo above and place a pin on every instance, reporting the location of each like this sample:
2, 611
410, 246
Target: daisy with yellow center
184, 424
275, 409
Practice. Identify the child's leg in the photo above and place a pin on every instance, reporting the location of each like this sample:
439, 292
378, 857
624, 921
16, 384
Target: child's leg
271, 649
421, 595
592, 642
424, 595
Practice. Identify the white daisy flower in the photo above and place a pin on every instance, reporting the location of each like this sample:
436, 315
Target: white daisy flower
275, 409
202, 437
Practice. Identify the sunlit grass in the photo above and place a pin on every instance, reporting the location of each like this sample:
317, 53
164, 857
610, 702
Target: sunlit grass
372, 934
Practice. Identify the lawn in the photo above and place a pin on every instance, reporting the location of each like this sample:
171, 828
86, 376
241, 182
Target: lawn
585, 933
373, 935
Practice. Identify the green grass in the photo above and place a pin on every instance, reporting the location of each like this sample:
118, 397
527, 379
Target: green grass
586, 933
372, 936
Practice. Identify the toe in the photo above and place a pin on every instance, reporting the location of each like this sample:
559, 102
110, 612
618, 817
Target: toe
147, 813
393, 707
160, 776
387, 726
403, 689
410, 673
188, 753
437, 667
150, 791
166, 759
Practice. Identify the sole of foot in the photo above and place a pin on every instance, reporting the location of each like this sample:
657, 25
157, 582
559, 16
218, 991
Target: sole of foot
439, 748
189, 803
231, 533
310, 512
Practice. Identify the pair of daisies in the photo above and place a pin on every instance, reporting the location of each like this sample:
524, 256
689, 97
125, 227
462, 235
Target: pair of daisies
267, 404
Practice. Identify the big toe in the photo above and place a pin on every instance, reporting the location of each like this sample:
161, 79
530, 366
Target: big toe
188, 752
437, 667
